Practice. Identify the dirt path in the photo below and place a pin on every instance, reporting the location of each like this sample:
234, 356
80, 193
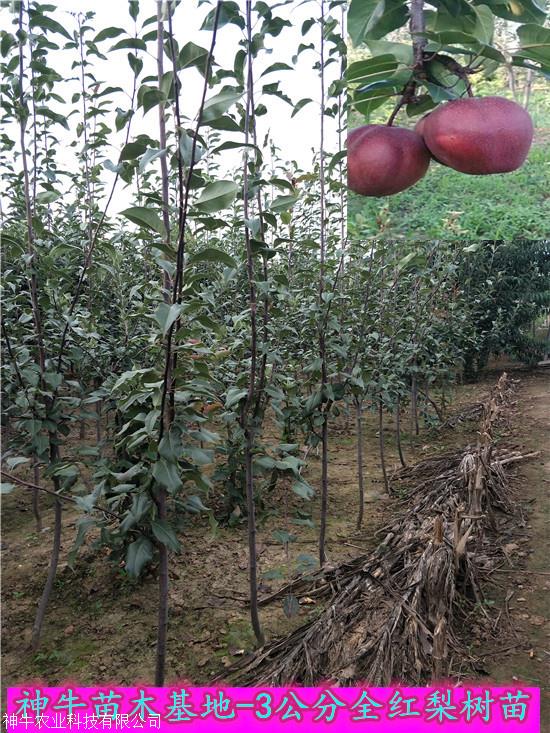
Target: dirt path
527, 585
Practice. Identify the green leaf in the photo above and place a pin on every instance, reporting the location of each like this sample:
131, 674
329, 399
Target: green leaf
146, 218
46, 23
373, 69
303, 490
216, 196
166, 315
520, 11
111, 32
7, 43
229, 13
443, 84
199, 456
375, 18
367, 99
149, 97
283, 203
136, 43
192, 55
54, 116
47, 197
167, 475
194, 505
290, 463
171, 446
535, 44
134, 470
278, 66
213, 255
131, 151
139, 553
485, 24
16, 461
122, 118
403, 52
234, 396
53, 379
165, 534
150, 155
265, 462
300, 105
6, 488
133, 9
225, 123
136, 64
218, 105
84, 524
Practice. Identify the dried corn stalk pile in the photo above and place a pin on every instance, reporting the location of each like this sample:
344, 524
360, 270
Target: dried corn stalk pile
399, 612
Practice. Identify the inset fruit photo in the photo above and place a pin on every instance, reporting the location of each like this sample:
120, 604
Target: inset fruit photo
449, 119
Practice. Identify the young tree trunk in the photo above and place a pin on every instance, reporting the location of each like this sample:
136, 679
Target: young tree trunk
166, 406
248, 419
414, 409
163, 597
360, 482
381, 444
99, 415
252, 552
52, 570
322, 340
35, 497
398, 431
167, 280
324, 491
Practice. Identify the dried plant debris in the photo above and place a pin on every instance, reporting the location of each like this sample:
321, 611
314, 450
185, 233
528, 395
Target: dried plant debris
402, 611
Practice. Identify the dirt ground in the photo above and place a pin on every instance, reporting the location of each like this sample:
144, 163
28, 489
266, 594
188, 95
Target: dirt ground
101, 626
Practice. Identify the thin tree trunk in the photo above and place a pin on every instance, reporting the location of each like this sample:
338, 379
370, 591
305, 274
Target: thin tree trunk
414, 409
52, 570
248, 408
166, 406
360, 482
324, 491
322, 342
381, 443
252, 553
163, 597
398, 431
167, 281
35, 496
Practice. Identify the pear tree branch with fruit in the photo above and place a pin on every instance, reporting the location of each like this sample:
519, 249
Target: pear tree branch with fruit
449, 41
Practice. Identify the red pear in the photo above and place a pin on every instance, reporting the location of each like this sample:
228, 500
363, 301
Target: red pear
478, 135
384, 160
419, 128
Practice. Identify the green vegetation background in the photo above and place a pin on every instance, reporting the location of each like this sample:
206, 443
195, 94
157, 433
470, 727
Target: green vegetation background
447, 204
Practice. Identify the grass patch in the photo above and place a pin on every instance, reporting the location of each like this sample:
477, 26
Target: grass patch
446, 204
